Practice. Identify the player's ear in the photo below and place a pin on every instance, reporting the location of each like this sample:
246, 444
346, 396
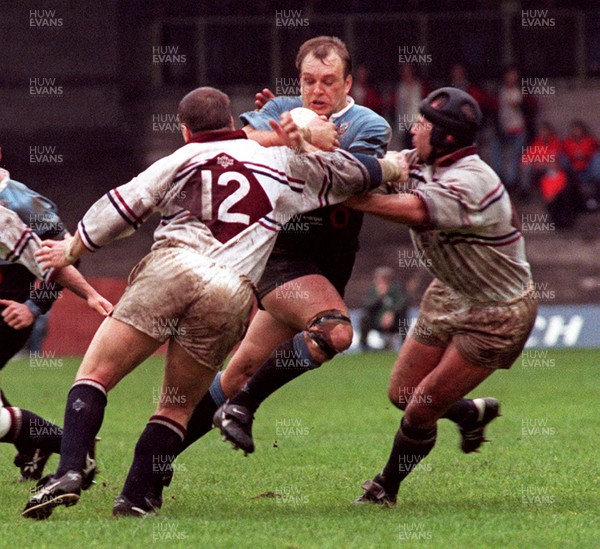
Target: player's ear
185, 131
348, 83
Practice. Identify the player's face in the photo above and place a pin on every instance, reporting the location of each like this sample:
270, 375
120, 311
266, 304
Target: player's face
421, 136
324, 87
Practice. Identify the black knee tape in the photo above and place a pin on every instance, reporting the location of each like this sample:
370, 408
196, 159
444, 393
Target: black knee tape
319, 329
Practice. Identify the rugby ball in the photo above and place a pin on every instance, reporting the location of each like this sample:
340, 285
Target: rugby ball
302, 116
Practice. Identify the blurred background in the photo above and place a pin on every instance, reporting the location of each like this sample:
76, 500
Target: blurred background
89, 90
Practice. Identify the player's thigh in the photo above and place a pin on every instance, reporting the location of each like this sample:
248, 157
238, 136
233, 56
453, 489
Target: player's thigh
415, 361
264, 335
297, 301
185, 382
116, 349
453, 378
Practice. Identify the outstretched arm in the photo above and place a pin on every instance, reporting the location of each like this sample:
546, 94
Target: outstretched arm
71, 278
405, 208
60, 254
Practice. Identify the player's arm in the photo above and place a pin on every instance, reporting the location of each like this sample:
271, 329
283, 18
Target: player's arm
373, 138
290, 135
68, 251
319, 132
330, 178
71, 278
118, 214
406, 208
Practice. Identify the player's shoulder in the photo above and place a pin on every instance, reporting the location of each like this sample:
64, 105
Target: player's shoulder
474, 176
8, 218
366, 116
286, 102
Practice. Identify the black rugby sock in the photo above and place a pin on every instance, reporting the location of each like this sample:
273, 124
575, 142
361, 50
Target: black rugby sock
461, 411
411, 445
83, 418
29, 431
155, 451
201, 421
290, 360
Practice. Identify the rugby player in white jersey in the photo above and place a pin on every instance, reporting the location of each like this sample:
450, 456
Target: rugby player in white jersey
478, 312
223, 199
31, 433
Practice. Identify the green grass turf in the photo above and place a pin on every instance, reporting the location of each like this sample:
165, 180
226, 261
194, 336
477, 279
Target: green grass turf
317, 440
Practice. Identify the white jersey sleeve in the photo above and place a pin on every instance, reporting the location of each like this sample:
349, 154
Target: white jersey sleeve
18, 244
122, 210
327, 178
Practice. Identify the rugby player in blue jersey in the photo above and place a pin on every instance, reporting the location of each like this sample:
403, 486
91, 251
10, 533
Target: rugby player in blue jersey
303, 319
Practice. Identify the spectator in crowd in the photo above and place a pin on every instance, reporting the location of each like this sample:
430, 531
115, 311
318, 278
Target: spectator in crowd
561, 195
539, 157
363, 92
405, 102
581, 159
385, 309
512, 128
459, 78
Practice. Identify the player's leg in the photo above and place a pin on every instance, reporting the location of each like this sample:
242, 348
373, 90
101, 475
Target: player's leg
214, 320
414, 362
116, 349
264, 334
185, 382
314, 304
34, 437
449, 381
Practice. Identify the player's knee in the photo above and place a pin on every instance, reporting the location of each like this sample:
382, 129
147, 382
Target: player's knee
330, 333
420, 415
395, 397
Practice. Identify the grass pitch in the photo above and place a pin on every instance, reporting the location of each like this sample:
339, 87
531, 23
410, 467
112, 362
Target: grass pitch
318, 439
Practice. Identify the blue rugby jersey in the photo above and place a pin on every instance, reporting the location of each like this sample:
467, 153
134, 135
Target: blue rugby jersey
332, 230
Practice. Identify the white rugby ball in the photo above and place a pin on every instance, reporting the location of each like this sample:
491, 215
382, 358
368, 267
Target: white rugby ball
302, 116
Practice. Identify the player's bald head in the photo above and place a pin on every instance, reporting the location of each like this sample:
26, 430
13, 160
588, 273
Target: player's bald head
205, 109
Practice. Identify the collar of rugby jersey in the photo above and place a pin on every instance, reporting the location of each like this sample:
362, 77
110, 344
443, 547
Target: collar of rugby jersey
4, 177
451, 158
218, 135
350, 103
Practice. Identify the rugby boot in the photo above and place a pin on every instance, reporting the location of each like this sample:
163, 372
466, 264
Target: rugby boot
472, 432
235, 423
52, 492
376, 494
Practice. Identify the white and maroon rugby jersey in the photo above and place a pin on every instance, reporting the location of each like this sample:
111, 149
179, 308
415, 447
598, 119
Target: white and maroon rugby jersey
18, 244
473, 243
227, 197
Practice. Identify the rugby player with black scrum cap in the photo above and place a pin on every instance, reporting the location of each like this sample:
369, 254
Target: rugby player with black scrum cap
478, 312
